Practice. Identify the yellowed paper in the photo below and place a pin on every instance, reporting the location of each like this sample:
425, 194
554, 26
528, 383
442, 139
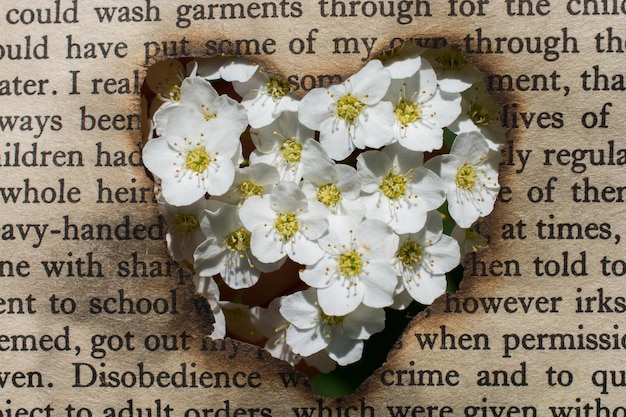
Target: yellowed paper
98, 324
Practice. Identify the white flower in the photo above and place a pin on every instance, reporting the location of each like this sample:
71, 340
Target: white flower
469, 238
284, 224
273, 326
454, 73
423, 258
341, 337
207, 288
422, 110
252, 180
227, 68
470, 176
198, 101
351, 115
396, 189
227, 251
403, 61
337, 186
480, 113
265, 97
184, 232
192, 159
287, 145
356, 266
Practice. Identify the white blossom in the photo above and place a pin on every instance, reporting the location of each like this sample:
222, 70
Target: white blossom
265, 97
287, 145
227, 252
424, 258
422, 110
200, 102
341, 337
403, 61
356, 267
397, 189
337, 186
227, 68
184, 232
273, 325
351, 115
193, 159
470, 176
284, 223
252, 180
454, 72
481, 114
470, 239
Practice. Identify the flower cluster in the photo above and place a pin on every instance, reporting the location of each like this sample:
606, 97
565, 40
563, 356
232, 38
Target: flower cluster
344, 183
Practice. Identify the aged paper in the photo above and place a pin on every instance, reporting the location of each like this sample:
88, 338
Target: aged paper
537, 328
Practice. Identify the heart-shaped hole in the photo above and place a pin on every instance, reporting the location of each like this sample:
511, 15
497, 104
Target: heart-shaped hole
318, 226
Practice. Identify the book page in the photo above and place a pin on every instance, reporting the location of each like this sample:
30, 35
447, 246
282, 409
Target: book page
96, 318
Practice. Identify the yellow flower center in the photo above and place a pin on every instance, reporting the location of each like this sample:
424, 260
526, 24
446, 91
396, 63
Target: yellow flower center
407, 112
277, 87
291, 151
286, 224
186, 222
331, 320
450, 59
238, 241
249, 189
350, 263
349, 107
466, 177
410, 253
329, 195
174, 92
198, 160
393, 186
